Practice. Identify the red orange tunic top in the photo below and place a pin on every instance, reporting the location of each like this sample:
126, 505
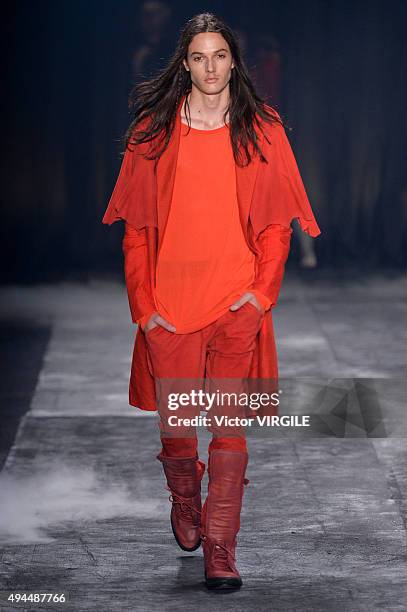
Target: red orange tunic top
204, 264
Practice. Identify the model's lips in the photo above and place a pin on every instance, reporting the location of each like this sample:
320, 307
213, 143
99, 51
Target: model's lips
211, 80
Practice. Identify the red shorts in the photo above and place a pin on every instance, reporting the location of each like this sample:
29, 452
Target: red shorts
213, 360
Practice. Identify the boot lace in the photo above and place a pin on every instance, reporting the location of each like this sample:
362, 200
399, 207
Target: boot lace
219, 551
186, 510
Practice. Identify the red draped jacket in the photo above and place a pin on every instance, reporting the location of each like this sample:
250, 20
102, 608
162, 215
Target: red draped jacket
269, 196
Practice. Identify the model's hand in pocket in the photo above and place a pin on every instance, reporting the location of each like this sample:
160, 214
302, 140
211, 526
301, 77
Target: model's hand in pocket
247, 297
155, 320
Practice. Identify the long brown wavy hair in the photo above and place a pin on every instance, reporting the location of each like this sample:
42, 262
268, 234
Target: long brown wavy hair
158, 98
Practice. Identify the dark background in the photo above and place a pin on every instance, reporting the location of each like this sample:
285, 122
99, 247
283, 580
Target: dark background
67, 74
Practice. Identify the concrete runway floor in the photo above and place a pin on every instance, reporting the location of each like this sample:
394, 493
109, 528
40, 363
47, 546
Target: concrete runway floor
83, 505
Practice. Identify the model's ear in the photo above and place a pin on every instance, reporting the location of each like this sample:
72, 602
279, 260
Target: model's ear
185, 64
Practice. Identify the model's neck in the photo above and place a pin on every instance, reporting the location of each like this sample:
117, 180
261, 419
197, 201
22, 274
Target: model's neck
206, 111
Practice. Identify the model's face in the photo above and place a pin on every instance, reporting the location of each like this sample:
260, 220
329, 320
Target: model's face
209, 57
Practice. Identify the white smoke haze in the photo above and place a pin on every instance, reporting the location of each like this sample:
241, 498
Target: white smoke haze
29, 504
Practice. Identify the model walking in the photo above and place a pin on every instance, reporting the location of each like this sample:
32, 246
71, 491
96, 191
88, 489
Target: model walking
207, 189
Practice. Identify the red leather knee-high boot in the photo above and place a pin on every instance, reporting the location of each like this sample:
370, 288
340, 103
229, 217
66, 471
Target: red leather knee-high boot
184, 475
220, 518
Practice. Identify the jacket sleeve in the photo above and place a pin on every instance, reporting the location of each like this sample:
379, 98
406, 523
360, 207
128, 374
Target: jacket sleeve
280, 191
274, 244
134, 246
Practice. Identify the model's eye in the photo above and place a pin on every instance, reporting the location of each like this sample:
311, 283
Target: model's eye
221, 55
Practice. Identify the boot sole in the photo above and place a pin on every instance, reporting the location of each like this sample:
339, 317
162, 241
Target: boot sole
223, 583
181, 545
